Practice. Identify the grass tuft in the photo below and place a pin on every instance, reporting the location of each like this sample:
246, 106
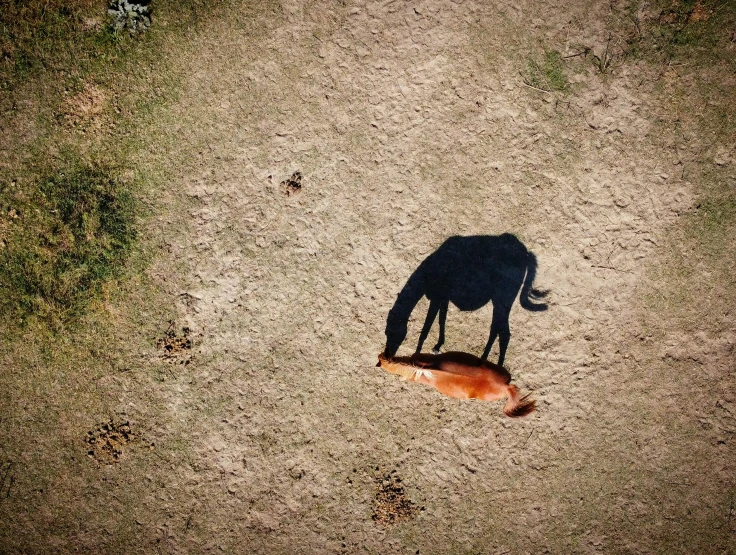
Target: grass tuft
549, 74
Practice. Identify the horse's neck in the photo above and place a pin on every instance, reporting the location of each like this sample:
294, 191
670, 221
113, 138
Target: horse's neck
400, 367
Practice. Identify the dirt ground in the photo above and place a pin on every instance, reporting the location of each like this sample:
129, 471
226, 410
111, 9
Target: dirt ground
257, 422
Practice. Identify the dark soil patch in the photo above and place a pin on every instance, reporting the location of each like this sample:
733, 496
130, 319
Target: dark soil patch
176, 348
107, 442
293, 184
390, 504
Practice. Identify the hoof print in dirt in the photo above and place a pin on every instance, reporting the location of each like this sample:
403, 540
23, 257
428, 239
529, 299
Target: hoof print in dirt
7, 478
177, 349
133, 17
390, 504
293, 185
106, 443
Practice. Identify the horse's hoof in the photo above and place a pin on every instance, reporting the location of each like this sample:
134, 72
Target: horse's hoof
436, 351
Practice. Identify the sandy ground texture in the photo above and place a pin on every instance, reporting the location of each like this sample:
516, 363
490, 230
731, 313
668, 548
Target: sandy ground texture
272, 431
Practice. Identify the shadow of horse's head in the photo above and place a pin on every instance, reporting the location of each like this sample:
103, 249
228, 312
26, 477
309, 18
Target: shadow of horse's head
395, 334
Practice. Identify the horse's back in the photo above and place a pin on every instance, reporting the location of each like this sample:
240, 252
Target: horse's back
464, 364
456, 383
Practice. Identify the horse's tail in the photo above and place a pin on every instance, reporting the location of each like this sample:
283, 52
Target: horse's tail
528, 293
518, 406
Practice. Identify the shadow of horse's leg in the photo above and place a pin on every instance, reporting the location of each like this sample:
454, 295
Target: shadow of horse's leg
503, 342
434, 307
489, 345
500, 329
443, 317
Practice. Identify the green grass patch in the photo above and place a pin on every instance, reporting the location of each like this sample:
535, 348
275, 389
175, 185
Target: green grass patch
48, 34
697, 31
73, 233
38, 36
547, 74
68, 228
699, 267
715, 214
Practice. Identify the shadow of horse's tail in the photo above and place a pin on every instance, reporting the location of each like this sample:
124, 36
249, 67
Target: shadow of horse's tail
518, 406
528, 293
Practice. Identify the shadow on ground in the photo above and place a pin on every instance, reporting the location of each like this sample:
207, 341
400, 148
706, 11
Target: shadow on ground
468, 272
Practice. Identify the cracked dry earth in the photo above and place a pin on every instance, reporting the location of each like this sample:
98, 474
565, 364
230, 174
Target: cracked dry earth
410, 123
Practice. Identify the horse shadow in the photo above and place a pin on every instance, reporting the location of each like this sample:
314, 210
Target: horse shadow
468, 272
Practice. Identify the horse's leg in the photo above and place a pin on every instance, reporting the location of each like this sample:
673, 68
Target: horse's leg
434, 307
500, 329
443, 317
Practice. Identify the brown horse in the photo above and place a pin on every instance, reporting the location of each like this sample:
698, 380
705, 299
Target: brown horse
463, 376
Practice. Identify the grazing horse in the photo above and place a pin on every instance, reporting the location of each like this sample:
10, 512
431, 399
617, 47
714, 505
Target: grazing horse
470, 272
463, 376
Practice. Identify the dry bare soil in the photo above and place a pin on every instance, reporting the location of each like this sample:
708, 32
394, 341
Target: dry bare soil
264, 426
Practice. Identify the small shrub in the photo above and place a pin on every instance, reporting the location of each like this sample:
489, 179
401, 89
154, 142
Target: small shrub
133, 17
603, 62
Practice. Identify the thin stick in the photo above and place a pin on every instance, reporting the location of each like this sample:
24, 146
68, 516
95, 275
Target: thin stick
527, 439
610, 268
535, 88
583, 52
